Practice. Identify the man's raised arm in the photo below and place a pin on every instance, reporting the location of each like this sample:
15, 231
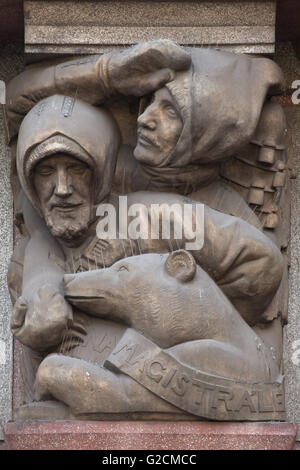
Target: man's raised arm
136, 71
242, 260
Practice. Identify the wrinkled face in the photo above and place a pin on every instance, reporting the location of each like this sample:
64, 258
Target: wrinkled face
64, 186
159, 128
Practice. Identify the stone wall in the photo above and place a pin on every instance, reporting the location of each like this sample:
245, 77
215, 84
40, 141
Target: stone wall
285, 57
11, 63
94, 27
292, 330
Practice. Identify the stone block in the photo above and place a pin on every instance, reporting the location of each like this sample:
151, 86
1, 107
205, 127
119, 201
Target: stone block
69, 27
10, 65
87, 435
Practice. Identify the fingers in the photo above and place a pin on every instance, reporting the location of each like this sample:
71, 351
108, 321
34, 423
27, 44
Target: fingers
169, 54
145, 67
79, 328
161, 53
50, 295
69, 312
19, 312
69, 316
148, 83
154, 81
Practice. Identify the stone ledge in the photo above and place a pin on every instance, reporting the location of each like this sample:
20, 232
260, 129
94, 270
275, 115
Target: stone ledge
70, 27
88, 435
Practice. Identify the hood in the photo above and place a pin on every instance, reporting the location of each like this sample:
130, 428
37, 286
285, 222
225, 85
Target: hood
220, 99
66, 125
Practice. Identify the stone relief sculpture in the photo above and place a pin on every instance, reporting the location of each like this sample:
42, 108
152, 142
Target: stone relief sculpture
149, 326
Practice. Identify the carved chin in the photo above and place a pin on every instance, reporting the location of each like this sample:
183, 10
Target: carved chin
68, 229
148, 155
68, 234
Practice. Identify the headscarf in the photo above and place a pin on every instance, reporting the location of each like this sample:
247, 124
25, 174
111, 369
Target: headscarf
220, 99
60, 124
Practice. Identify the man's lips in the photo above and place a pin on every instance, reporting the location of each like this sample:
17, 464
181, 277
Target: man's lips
145, 140
65, 207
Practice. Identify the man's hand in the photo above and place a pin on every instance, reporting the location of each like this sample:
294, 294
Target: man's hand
143, 68
136, 71
41, 323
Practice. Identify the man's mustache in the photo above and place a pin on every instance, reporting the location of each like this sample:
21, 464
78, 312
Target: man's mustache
65, 204
144, 135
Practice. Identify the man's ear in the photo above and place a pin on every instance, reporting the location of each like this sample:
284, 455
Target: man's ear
181, 264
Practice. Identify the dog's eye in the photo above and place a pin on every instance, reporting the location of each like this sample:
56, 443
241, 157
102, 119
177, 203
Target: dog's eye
123, 268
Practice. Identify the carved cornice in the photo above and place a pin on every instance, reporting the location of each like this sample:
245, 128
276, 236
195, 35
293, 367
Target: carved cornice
12, 19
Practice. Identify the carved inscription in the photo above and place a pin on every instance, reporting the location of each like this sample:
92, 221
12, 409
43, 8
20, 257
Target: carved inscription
100, 340
191, 390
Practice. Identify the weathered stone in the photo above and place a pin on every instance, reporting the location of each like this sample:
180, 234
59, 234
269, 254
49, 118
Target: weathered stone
97, 27
149, 13
10, 65
149, 436
292, 335
287, 59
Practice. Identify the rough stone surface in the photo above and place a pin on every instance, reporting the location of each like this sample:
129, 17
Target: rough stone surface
5, 253
99, 35
10, 65
244, 27
148, 13
287, 59
3, 445
18, 386
150, 435
292, 330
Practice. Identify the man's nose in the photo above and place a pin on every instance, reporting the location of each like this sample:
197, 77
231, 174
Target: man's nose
148, 118
63, 187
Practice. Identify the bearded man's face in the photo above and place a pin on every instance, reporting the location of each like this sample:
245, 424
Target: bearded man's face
64, 186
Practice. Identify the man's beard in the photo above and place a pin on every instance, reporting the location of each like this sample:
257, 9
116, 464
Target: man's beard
69, 229
68, 234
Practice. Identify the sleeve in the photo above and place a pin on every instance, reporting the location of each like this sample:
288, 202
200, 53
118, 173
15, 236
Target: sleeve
83, 78
242, 260
245, 264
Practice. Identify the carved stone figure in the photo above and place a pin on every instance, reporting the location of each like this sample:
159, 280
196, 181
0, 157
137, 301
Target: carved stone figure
145, 330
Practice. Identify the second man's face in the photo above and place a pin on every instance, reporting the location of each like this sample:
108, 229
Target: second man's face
159, 128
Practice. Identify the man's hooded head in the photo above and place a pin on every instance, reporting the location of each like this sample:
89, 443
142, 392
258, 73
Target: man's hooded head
219, 100
66, 158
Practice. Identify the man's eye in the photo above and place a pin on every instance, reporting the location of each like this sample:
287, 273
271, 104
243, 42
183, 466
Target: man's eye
78, 169
171, 111
45, 171
123, 268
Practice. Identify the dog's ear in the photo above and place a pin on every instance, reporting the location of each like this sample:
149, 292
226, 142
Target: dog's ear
181, 265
